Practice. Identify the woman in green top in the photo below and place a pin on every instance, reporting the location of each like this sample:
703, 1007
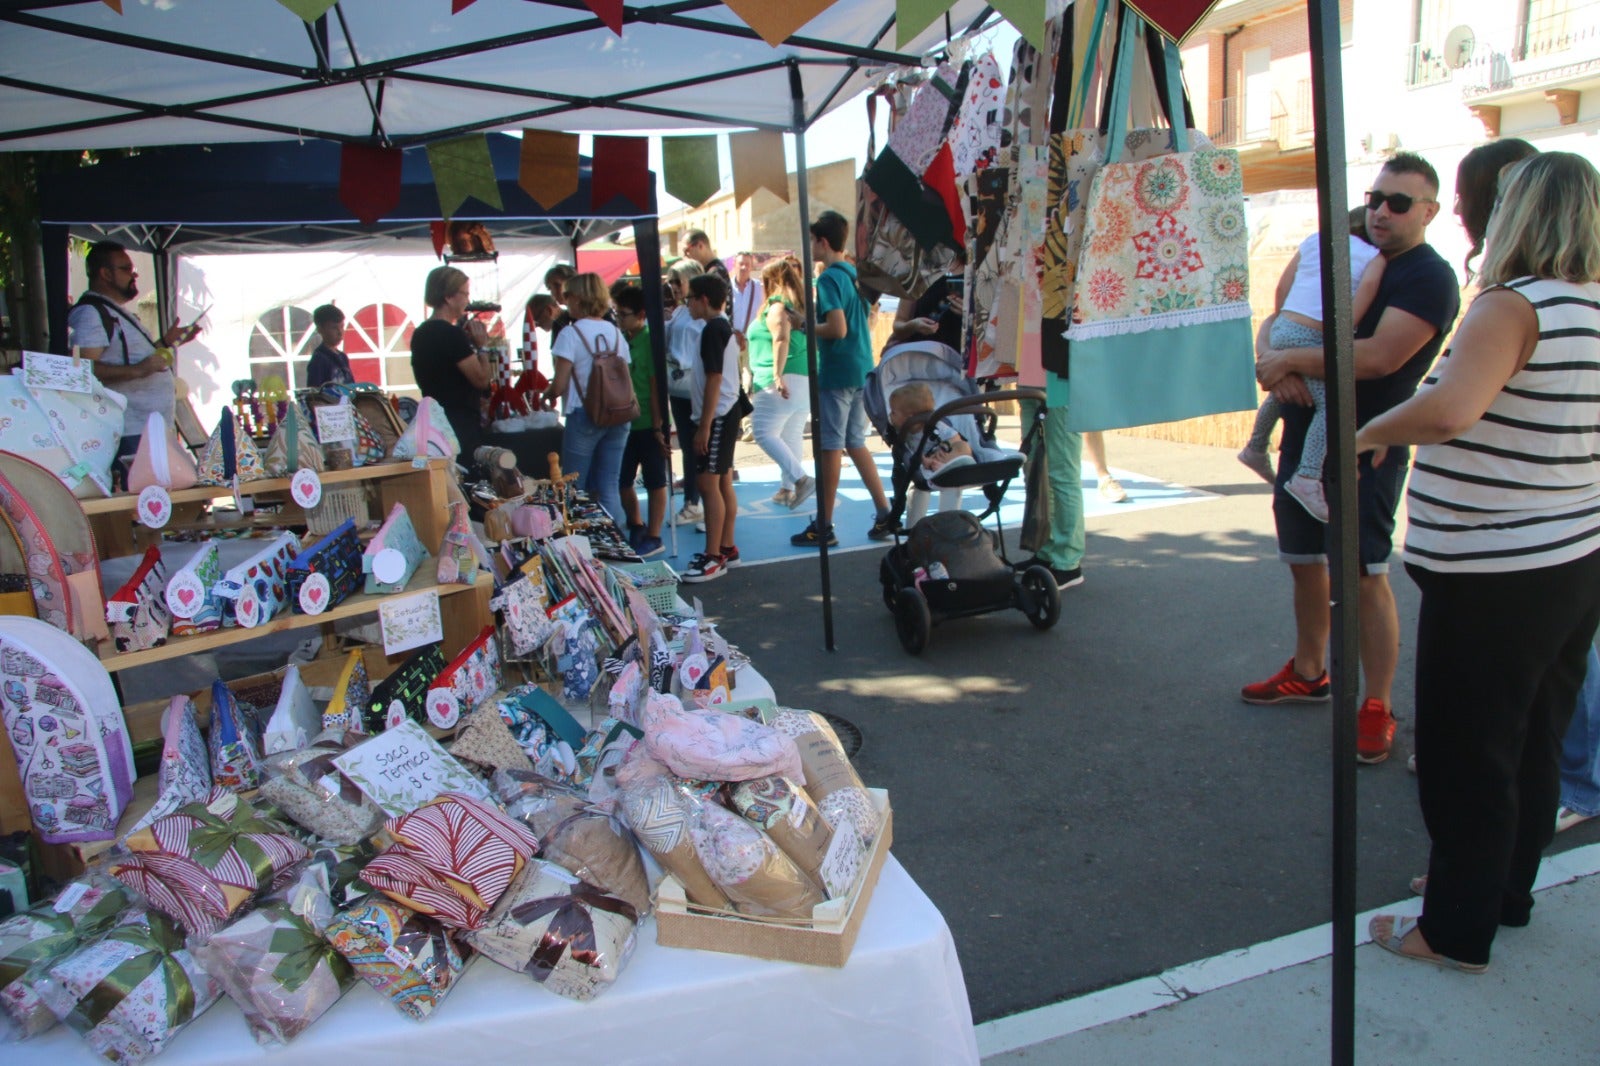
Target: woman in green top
778, 371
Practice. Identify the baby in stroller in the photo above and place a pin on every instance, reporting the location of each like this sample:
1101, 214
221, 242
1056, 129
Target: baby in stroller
941, 429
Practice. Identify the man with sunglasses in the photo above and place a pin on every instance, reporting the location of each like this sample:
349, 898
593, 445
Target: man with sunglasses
1395, 344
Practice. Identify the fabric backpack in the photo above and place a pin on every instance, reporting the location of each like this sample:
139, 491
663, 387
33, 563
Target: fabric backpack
609, 399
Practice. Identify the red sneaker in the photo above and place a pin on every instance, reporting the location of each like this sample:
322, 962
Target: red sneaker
1286, 686
1374, 731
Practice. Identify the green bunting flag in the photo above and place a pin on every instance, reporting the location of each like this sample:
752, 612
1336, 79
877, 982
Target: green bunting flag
1027, 16
462, 168
310, 10
689, 168
911, 17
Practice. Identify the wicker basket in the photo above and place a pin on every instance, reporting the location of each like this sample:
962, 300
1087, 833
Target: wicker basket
657, 580
338, 504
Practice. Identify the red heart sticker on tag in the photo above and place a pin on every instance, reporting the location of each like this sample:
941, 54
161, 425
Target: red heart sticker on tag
315, 594
186, 596
156, 508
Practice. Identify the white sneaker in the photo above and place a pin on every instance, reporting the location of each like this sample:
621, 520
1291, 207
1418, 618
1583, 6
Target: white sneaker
803, 490
1112, 490
704, 567
1307, 492
1566, 818
691, 512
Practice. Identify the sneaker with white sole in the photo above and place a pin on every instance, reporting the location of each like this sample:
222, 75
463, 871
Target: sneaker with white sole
783, 497
730, 556
691, 512
1259, 463
704, 567
1566, 818
803, 488
1308, 493
1112, 491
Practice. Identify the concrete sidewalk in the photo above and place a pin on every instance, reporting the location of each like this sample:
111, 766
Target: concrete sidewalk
1264, 1004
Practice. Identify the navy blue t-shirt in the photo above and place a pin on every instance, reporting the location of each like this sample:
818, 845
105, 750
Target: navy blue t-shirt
1418, 282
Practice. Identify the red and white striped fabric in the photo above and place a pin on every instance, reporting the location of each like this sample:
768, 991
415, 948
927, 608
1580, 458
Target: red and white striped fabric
453, 859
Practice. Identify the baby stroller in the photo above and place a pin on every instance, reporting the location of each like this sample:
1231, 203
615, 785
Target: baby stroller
948, 565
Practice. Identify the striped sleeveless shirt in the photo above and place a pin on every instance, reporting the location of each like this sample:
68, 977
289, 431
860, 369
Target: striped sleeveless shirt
1520, 490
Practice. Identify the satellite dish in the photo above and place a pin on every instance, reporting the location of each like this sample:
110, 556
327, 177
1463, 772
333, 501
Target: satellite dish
1458, 46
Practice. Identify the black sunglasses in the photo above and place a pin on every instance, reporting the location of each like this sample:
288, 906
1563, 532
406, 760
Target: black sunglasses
1399, 202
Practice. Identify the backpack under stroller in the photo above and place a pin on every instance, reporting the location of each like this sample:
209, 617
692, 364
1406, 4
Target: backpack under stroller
948, 565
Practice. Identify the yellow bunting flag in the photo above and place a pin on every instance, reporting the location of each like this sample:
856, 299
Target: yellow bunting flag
1027, 16
911, 17
309, 10
549, 171
462, 168
775, 22
758, 163
689, 168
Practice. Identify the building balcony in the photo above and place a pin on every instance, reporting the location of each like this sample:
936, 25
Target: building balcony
1250, 124
1551, 53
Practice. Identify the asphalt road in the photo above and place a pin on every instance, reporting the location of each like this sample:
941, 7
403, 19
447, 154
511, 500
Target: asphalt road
1094, 804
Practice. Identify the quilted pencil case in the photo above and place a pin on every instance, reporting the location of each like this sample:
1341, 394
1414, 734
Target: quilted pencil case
404, 693
138, 610
259, 587
191, 594
394, 554
336, 559
470, 679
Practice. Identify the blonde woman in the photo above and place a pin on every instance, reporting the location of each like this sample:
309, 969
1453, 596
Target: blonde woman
778, 362
592, 452
448, 356
1504, 543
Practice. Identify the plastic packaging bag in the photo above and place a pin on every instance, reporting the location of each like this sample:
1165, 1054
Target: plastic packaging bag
410, 959
278, 969
33, 940
748, 867
574, 835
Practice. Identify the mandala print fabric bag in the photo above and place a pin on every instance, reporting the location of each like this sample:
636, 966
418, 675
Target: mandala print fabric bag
1165, 251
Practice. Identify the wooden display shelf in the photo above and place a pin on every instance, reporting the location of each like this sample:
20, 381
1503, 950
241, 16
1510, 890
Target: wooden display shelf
359, 604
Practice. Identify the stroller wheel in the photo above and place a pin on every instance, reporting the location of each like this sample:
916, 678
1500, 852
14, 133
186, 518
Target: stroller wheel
1038, 597
912, 620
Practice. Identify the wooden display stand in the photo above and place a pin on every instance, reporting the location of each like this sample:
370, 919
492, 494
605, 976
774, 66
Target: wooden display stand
425, 492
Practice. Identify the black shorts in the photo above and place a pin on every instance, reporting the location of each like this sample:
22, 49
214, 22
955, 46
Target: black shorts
643, 452
1301, 538
719, 455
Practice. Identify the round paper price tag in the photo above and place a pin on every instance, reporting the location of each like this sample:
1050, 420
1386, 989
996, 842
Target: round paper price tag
444, 710
315, 593
155, 506
247, 609
185, 594
389, 566
396, 716
306, 488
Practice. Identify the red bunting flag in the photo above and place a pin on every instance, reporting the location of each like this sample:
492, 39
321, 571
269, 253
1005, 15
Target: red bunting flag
369, 180
609, 12
1175, 18
621, 168
439, 231
458, 6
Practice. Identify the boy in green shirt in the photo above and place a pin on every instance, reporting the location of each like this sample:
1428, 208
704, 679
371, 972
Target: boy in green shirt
646, 448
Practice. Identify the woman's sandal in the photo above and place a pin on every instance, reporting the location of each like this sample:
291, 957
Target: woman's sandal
1402, 927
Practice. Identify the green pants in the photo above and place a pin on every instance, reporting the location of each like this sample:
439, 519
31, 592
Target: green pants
1064, 453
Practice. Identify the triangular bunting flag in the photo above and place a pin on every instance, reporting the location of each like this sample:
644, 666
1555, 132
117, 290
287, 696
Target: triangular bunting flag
911, 17
1175, 18
458, 6
440, 233
309, 10
609, 12
369, 180
689, 168
549, 170
774, 22
115, 5
621, 168
462, 168
758, 163
1027, 16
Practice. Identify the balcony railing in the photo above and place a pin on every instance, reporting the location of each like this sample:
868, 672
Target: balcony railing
1234, 123
1534, 52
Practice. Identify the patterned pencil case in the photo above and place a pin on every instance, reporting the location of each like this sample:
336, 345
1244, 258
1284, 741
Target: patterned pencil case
259, 587
394, 554
404, 693
192, 597
326, 573
467, 682
138, 610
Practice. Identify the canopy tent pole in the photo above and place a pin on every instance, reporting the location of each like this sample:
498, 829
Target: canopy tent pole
1338, 354
53, 245
647, 250
806, 266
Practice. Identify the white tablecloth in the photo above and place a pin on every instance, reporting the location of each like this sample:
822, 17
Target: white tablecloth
900, 1000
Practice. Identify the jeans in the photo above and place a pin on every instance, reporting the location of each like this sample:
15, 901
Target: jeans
1580, 751
778, 424
595, 455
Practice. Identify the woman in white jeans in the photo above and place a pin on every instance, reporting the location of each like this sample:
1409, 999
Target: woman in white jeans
778, 372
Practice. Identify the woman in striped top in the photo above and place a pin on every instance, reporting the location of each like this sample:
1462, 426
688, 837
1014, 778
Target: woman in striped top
1504, 543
